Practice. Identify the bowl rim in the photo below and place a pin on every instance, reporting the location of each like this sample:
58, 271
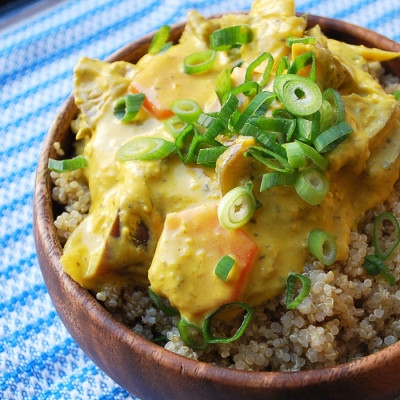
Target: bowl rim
48, 245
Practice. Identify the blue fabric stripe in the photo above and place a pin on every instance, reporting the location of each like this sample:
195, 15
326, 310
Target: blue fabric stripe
18, 268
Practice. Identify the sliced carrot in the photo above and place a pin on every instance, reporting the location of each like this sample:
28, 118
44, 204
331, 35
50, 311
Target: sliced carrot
150, 102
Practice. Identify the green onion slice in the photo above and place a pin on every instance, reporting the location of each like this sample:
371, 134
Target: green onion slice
257, 107
214, 130
186, 109
267, 157
209, 157
228, 108
208, 322
336, 102
248, 89
274, 179
380, 220
206, 120
167, 310
396, 94
183, 143
279, 125
282, 113
198, 63
291, 301
237, 207
283, 65
312, 186
223, 84
332, 137
174, 126
308, 128
145, 148
322, 246
192, 335
295, 155
267, 72
223, 267
290, 40
302, 61
300, 96
326, 115
127, 107
159, 40
224, 39
67, 165
265, 139
371, 265
317, 159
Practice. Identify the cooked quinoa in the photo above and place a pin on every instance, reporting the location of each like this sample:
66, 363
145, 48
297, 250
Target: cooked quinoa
347, 315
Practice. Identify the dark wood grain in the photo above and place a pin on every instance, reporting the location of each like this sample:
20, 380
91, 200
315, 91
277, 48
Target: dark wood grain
151, 372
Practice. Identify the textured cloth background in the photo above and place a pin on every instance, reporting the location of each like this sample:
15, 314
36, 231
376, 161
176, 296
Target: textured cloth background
38, 357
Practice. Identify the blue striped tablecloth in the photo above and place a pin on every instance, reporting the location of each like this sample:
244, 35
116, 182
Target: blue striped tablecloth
38, 357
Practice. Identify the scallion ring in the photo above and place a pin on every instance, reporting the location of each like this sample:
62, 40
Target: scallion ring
174, 126
127, 107
374, 266
145, 148
67, 165
332, 137
183, 143
223, 84
198, 63
295, 155
312, 186
336, 102
322, 246
378, 226
159, 40
210, 156
317, 159
267, 72
223, 267
274, 179
326, 115
291, 301
302, 61
290, 40
283, 66
186, 109
167, 310
208, 336
236, 208
223, 39
248, 89
192, 335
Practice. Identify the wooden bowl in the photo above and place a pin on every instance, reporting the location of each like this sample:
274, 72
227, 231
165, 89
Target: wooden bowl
151, 372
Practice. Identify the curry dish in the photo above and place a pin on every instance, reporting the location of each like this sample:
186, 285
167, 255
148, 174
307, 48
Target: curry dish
155, 222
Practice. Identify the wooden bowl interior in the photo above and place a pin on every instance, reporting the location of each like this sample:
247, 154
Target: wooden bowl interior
152, 372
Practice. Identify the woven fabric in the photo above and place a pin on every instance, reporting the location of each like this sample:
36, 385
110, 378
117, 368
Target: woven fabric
38, 357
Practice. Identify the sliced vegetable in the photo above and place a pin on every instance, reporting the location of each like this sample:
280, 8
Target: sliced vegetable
272, 160
278, 125
145, 148
209, 157
237, 207
317, 159
283, 66
291, 301
186, 109
308, 128
290, 40
223, 267
183, 143
332, 137
223, 84
312, 186
267, 72
159, 40
374, 266
174, 126
396, 94
199, 63
273, 179
192, 335
127, 107
322, 245
224, 39
167, 310
295, 155
67, 165
302, 61
380, 220
336, 102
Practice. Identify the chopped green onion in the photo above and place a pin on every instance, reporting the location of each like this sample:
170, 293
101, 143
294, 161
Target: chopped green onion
67, 165
127, 107
264, 156
174, 126
374, 266
326, 115
282, 113
291, 301
396, 94
322, 245
273, 179
300, 96
198, 63
159, 40
290, 40
224, 39
145, 148
257, 107
223, 84
192, 335
317, 159
378, 226
312, 186
209, 157
205, 120
371, 265
184, 141
228, 108
278, 125
199, 142
332, 137
295, 155
167, 310
302, 61
336, 102
267, 72
187, 110
283, 65
236, 208
215, 129
248, 89
223, 267
264, 138
208, 322
308, 128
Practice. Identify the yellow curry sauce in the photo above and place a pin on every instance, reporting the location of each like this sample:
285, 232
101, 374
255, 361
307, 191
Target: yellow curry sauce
123, 240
